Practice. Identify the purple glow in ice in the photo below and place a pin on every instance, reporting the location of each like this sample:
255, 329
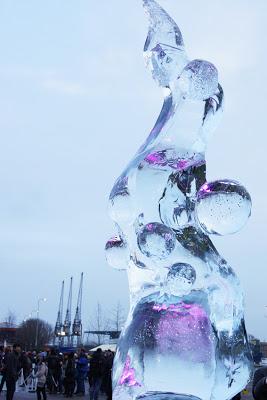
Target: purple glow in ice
150, 227
161, 158
180, 308
128, 375
115, 241
205, 188
157, 158
168, 158
186, 330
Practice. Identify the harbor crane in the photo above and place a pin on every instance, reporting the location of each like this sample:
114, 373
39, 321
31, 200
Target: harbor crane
67, 322
59, 332
77, 323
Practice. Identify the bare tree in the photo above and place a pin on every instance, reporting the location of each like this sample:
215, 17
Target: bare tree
117, 317
98, 323
10, 319
26, 334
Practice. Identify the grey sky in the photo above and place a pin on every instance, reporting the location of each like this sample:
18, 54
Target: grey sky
75, 104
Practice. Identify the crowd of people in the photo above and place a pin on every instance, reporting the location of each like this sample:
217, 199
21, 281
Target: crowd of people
66, 374
57, 373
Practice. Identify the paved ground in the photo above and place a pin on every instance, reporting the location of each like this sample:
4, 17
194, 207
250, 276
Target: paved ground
24, 395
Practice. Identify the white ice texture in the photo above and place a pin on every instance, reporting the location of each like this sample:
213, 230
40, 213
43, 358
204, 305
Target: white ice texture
185, 335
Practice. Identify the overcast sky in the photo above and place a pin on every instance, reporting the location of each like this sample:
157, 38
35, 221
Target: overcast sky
76, 102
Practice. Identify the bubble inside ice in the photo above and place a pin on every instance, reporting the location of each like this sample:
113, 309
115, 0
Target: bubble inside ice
223, 207
181, 278
156, 240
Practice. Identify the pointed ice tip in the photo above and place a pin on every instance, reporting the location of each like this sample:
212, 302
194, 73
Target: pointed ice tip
164, 48
161, 22
146, 3
149, 5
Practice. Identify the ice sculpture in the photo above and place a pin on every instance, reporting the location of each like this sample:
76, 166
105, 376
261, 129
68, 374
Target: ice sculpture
185, 335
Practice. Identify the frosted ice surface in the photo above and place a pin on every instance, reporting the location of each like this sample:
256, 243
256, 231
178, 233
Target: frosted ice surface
199, 80
185, 337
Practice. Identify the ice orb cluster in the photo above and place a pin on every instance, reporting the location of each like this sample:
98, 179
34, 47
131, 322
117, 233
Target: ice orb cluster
185, 335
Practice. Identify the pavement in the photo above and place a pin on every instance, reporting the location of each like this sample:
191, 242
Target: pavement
22, 394
25, 395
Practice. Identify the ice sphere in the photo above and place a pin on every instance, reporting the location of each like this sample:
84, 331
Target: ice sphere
156, 240
180, 279
117, 253
199, 80
223, 207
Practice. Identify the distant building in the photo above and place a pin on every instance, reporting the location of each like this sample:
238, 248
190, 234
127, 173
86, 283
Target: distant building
7, 334
263, 346
258, 349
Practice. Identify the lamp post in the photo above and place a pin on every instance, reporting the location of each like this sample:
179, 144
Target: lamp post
37, 319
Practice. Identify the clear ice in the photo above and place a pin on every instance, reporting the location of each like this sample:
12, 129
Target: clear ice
185, 336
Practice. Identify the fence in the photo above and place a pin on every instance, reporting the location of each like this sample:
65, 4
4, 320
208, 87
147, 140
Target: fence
28, 384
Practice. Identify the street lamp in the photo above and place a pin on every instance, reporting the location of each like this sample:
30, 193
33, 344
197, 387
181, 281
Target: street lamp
37, 319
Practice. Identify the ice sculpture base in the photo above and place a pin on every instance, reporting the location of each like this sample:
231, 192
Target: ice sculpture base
166, 396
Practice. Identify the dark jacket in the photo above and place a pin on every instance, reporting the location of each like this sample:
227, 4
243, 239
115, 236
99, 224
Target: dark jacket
12, 365
259, 387
53, 363
70, 371
26, 363
96, 367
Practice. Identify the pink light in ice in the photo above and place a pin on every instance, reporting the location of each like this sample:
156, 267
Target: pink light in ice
128, 375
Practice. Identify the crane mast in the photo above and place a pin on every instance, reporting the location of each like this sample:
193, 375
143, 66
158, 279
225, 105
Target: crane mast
77, 323
67, 322
59, 333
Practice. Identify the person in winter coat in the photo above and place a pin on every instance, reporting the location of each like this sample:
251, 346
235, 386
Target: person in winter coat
69, 380
41, 375
81, 371
96, 374
3, 368
54, 366
107, 381
26, 365
12, 367
259, 385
